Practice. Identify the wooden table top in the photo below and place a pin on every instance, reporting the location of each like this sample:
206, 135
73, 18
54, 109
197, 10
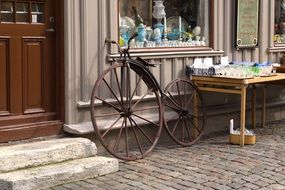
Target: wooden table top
263, 79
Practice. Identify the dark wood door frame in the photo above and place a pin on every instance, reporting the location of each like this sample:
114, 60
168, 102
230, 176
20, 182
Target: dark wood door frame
60, 86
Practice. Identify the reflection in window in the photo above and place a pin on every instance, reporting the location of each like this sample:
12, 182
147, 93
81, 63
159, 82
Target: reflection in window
7, 11
164, 23
22, 12
279, 27
37, 13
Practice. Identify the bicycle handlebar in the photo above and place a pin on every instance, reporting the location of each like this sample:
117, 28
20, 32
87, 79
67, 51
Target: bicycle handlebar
119, 47
132, 37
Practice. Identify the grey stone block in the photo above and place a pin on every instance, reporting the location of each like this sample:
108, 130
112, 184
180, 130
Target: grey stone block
43, 177
38, 153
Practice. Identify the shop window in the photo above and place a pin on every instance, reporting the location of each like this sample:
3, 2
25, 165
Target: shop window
164, 23
279, 27
22, 11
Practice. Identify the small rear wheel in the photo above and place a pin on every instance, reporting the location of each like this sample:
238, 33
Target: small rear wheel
126, 111
185, 113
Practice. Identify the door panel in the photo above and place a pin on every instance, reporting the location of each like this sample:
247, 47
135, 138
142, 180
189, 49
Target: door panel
28, 77
33, 52
4, 82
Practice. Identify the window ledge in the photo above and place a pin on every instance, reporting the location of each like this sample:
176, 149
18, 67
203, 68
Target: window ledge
219, 110
276, 48
173, 53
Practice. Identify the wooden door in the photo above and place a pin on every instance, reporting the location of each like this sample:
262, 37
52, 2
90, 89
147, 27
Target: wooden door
28, 68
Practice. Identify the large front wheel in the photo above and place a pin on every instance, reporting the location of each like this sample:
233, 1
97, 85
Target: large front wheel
126, 111
185, 113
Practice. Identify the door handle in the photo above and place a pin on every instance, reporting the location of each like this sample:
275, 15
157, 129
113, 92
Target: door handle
50, 30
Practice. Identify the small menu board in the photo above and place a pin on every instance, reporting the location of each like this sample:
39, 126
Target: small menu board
247, 23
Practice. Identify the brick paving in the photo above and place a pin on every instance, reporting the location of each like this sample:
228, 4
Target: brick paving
208, 165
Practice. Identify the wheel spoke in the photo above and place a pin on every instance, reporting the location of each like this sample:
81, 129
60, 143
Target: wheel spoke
187, 130
148, 138
182, 128
119, 136
178, 90
136, 87
128, 89
173, 100
185, 94
176, 125
109, 115
113, 93
146, 120
189, 100
103, 135
136, 136
144, 109
173, 108
119, 88
196, 117
141, 98
110, 104
127, 137
190, 119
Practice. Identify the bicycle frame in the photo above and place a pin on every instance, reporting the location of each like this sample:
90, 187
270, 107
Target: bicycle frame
129, 113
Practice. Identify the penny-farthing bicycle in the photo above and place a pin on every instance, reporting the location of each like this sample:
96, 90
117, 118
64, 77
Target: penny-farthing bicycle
129, 109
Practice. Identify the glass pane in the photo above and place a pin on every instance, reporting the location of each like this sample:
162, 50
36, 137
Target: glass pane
7, 17
7, 11
22, 7
22, 17
37, 18
22, 12
7, 7
164, 23
37, 8
279, 27
37, 12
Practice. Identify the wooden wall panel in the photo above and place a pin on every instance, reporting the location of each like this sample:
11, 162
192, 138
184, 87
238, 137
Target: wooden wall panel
33, 75
106, 25
4, 74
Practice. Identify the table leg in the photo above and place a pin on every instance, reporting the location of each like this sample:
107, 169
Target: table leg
263, 106
253, 106
242, 114
196, 111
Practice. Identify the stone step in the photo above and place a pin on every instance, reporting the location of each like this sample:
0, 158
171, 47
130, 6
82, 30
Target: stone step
39, 153
43, 177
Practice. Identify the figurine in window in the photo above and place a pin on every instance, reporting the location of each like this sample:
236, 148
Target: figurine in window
137, 17
283, 5
282, 18
282, 11
157, 35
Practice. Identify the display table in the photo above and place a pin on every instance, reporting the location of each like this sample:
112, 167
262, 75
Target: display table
237, 86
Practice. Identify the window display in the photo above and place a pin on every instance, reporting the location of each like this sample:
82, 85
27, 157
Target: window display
164, 23
279, 27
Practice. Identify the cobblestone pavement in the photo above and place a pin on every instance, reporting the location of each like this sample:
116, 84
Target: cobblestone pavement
210, 164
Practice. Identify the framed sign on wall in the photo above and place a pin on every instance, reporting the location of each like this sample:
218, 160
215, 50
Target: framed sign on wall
247, 23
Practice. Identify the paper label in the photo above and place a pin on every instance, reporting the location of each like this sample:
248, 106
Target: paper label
225, 60
198, 62
34, 18
208, 62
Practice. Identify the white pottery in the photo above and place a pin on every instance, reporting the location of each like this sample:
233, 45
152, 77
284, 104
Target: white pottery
196, 31
158, 10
